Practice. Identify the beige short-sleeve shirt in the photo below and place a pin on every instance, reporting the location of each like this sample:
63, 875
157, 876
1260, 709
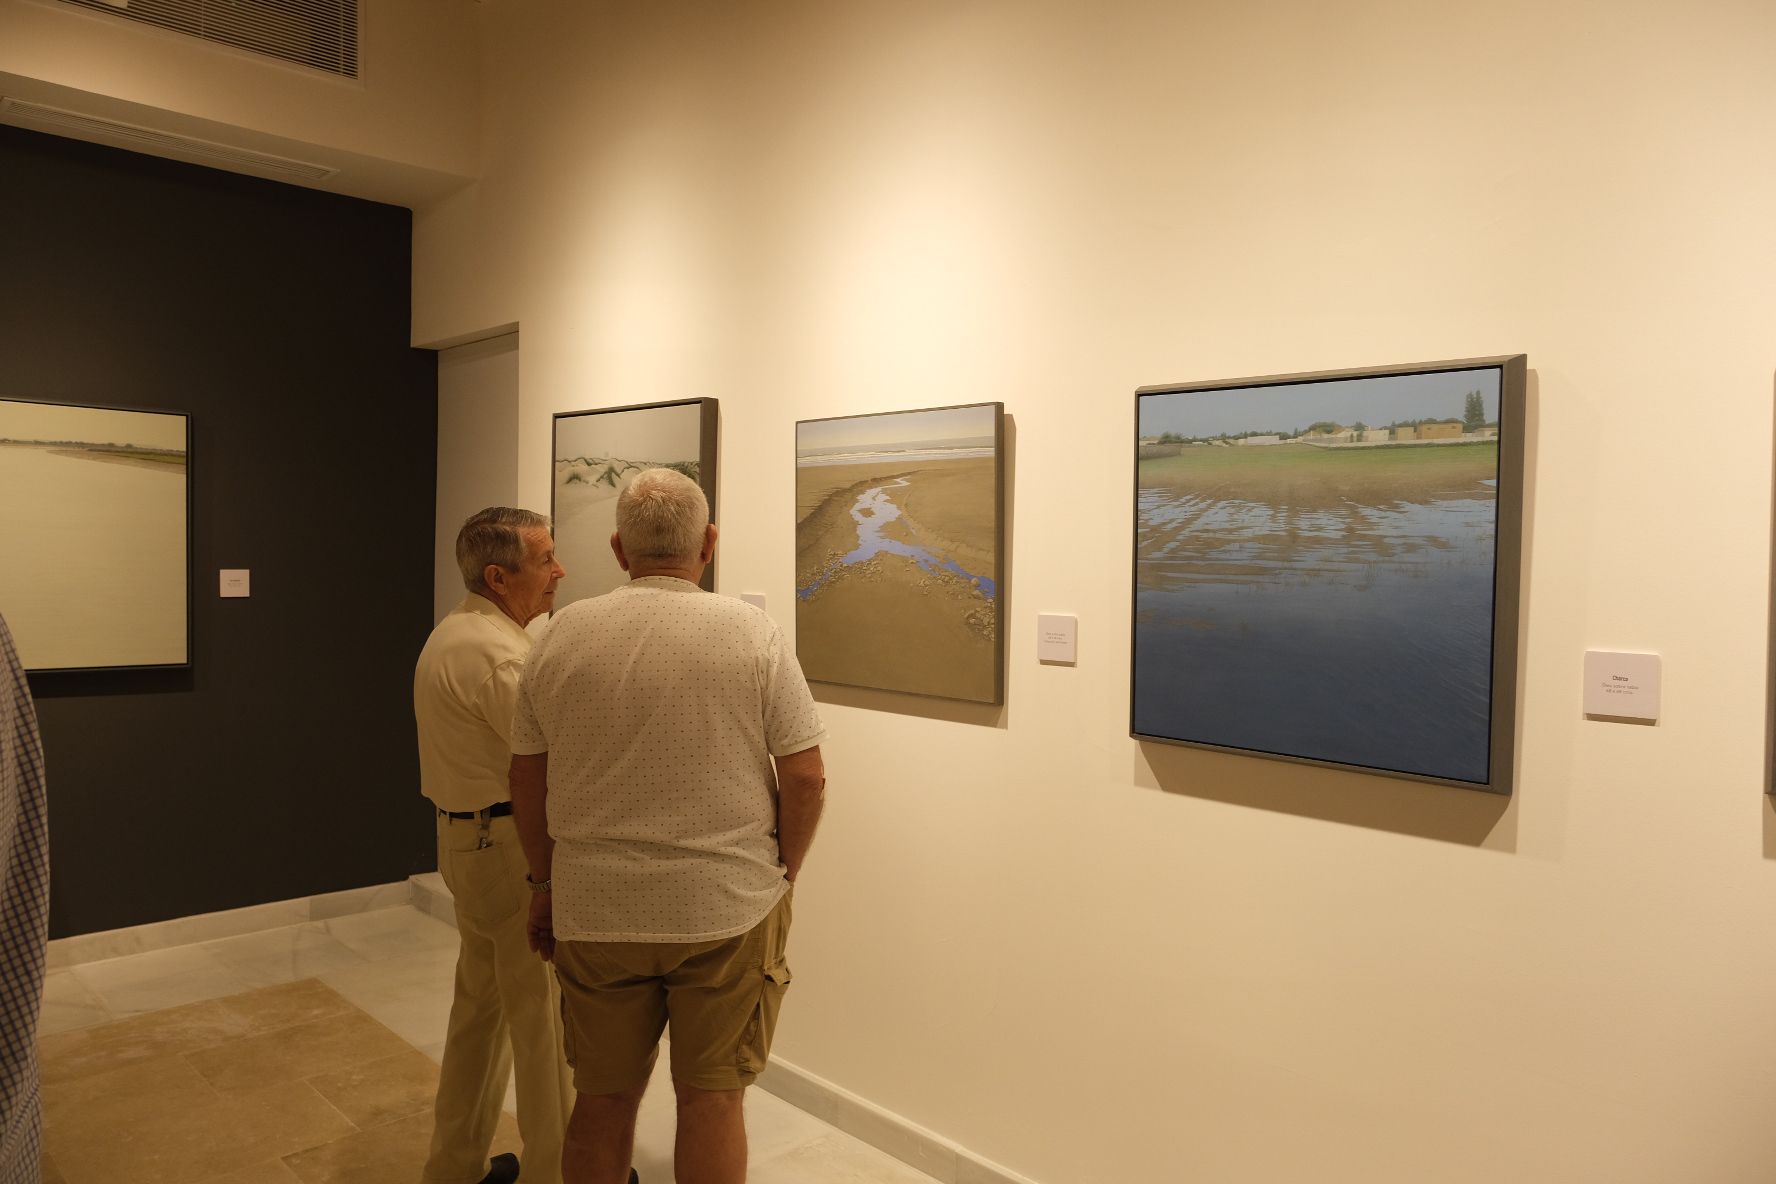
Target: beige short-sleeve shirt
660, 707
464, 689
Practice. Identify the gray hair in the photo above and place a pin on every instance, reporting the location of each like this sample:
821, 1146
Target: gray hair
662, 515
493, 536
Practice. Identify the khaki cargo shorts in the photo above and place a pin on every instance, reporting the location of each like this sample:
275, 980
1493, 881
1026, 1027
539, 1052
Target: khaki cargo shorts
721, 999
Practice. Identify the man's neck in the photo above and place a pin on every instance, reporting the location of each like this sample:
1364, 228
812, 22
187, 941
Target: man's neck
689, 574
499, 602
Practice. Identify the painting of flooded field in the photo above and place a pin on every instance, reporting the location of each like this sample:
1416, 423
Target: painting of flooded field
1317, 568
898, 522
596, 455
93, 528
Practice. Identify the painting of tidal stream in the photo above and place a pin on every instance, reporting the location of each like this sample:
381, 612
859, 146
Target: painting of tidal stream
898, 521
1316, 569
597, 455
93, 533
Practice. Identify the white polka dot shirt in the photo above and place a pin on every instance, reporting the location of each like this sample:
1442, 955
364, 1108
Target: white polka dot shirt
660, 707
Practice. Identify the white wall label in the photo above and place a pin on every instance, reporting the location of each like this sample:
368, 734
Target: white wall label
1624, 685
756, 599
1057, 637
236, 581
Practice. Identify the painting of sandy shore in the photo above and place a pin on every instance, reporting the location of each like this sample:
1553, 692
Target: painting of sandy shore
93, 525
898, 551
597, 454
1318, 568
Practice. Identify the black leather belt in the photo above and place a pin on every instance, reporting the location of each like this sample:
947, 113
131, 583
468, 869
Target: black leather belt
497, 810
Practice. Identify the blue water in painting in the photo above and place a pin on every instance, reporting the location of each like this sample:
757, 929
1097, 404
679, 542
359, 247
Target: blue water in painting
1359, 634
872, 511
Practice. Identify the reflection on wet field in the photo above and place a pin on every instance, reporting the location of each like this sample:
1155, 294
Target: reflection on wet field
1350, 632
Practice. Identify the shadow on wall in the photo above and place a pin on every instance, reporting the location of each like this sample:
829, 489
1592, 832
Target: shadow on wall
1768, 812
1438, 812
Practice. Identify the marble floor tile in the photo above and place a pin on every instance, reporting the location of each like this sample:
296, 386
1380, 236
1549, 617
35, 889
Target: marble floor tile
79, 1108
388, 1154
283, 955
69, 1003
383, 1090
410, 993
177, 1143
272, 1171
292, 1054
834, 1159
159, 979
390, 933
86, 1051
269, 1009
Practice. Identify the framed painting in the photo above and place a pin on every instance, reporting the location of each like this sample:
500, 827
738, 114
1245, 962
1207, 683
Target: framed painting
1326, 568
597, 453
900, 551
95, 523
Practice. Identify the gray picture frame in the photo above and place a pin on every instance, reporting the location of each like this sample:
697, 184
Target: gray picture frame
127, 603
1499, 737
583, 546
948, 625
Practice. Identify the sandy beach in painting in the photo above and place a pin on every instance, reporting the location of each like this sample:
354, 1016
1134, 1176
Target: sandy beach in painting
918, 610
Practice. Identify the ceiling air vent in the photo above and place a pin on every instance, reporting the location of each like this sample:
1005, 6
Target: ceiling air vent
320, 34
157, 143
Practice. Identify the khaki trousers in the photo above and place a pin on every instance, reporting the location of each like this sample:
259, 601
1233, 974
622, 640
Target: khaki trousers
506, 1015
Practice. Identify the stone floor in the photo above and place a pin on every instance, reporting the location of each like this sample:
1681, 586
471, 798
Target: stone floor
308, 1053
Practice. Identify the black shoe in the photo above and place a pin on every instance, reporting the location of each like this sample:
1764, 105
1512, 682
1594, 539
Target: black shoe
634, 1178
501, 1169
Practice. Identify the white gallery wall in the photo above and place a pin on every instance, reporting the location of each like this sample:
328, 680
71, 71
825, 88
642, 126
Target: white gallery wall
1089, 959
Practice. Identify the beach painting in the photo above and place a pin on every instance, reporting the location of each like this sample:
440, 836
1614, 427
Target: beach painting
899, 577
1326, 565
596, 455
94, 531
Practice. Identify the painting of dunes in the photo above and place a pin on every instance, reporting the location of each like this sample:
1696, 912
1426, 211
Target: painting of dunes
596, 455
898, 551
93, 520
1326, 568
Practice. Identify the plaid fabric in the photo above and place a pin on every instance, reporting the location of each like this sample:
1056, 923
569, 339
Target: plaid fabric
24, 919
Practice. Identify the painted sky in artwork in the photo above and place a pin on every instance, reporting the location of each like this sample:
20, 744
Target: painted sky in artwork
881, 431
1376, 401
90, 425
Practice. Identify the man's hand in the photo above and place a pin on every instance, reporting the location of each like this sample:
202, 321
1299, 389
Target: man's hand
540, 928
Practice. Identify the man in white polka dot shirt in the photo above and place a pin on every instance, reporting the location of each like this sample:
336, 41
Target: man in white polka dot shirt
666, 782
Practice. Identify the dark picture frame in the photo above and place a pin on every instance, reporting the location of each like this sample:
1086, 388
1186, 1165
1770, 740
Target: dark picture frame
1325, 573
99, 497
590, 466
897, 513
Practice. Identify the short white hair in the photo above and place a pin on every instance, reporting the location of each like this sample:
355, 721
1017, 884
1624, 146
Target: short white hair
662, 515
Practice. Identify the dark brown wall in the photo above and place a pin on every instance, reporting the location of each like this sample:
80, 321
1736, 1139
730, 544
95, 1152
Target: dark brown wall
282, 763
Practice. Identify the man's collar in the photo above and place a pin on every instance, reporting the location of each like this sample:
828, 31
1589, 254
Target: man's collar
674, 583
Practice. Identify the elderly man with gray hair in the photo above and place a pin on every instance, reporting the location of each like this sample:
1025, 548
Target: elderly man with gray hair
667, 777
506, 1012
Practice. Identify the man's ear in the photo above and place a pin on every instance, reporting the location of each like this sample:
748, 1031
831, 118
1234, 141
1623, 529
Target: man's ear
708, 544
494, 576
617, 550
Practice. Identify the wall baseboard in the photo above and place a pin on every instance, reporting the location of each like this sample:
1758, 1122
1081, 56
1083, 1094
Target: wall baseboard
884, 1130
183, 931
